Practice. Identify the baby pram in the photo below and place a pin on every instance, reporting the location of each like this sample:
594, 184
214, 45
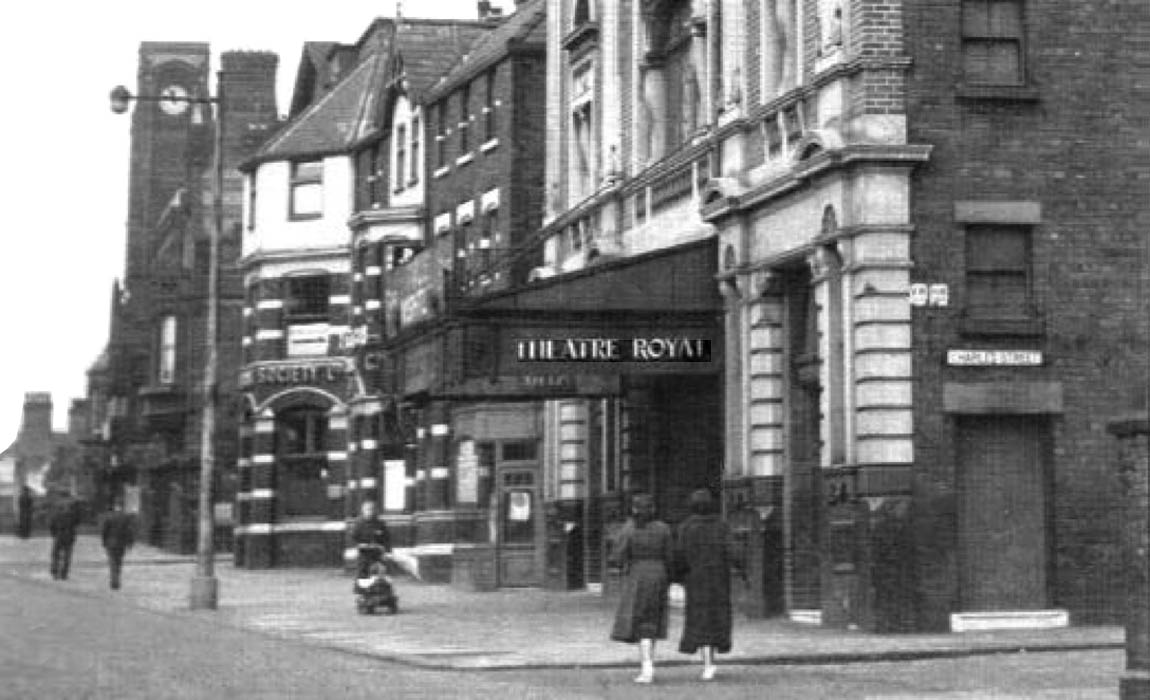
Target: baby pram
373, 588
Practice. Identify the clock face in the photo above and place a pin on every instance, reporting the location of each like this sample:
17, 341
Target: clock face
173, 99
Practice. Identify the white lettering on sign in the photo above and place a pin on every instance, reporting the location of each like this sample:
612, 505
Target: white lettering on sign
658, 349
939, 295
291, 373
918, 294
988, 358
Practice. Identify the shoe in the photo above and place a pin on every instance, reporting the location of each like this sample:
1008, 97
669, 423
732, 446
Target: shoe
646, 674
709, 673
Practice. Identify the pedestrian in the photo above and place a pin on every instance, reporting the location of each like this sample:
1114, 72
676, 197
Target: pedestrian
65, 520
704, 555
371, 538
644, 551
24, 504
118, 534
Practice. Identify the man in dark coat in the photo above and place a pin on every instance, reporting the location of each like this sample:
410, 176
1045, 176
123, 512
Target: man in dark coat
118, 534
24, 513
370, 530
63, 524
704, 553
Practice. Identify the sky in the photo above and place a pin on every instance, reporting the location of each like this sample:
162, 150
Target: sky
65, 187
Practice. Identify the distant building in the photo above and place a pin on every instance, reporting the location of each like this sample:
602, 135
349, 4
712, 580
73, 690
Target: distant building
30, 459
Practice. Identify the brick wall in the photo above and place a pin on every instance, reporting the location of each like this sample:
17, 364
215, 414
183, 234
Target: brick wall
1079, 149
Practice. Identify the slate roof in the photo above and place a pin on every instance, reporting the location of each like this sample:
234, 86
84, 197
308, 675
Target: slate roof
527, 26
351, 110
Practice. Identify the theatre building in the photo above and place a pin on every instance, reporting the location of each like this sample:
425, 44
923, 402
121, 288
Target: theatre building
929, 300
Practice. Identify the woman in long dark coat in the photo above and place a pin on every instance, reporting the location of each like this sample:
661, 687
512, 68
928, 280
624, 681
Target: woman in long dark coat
645, 550
704, 555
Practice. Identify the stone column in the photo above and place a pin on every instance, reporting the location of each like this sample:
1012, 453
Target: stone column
753, 484
1132, 432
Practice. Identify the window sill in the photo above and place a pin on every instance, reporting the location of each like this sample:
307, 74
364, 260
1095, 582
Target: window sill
489, 145
464, 159
984, 326
305, 217
441, 172
1000, 93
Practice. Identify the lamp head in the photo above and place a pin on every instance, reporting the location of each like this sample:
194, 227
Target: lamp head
119, 99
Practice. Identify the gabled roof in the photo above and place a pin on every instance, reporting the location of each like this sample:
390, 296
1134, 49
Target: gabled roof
328, 125
352, 108
527, 27
428, 51
312, 62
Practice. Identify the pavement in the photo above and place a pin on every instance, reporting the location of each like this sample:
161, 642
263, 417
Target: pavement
445, 628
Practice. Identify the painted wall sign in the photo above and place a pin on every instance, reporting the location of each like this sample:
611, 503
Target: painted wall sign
637, 349
288, 373
994, 358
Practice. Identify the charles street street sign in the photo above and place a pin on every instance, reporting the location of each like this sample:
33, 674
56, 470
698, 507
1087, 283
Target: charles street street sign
994, 358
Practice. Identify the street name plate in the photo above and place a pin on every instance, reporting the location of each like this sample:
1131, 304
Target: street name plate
994, 358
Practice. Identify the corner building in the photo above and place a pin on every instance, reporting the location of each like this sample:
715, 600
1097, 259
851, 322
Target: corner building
305, 377
915, 360
917, 258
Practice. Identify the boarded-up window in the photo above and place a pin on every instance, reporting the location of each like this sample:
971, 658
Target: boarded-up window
998, 271
992, 42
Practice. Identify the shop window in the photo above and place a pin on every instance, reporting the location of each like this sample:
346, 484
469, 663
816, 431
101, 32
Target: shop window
167, 366
520, 450
992, 42
307, 298
998, 272
306, 199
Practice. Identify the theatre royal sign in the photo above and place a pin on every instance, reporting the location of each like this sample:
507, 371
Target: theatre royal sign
608, 349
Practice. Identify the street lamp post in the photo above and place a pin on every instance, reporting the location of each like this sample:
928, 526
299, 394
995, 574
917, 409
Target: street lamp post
204, 593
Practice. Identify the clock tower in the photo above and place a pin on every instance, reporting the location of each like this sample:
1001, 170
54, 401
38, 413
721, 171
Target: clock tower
171, 143
159, 336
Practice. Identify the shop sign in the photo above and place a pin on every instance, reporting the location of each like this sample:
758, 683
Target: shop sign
994, 358
634, 349
292, 373
307, 340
